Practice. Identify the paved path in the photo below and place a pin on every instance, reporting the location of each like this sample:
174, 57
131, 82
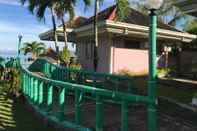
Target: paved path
14, 116
186, 80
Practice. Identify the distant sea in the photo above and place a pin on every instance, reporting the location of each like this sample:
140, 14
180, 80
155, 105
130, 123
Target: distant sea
8, 54
13, 54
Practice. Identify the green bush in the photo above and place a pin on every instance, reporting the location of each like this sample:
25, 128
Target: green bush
166, 72
195, 95
65, 56
75, 66
125, 72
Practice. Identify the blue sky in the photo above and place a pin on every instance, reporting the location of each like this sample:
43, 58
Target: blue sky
16, 19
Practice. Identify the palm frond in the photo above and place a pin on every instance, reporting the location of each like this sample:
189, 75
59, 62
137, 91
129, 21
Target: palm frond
123, 9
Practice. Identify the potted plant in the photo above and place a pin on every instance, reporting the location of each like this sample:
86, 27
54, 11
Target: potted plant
194, 99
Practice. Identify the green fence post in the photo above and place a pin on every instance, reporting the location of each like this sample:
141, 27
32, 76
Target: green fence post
99, 114
129, 86
78, 100
24, 89
50, 98
35, 91
40, 98
29, 86
61, 103
32, 88
116, 84
152, 72
124, 116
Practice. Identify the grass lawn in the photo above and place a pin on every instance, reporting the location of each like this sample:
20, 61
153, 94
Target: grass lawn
178, 94
14, 116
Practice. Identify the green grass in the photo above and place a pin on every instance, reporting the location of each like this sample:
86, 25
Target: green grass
14, 116
178, 94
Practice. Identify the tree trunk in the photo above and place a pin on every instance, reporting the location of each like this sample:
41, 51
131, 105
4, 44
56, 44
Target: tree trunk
64, 30
54, 29
96, 11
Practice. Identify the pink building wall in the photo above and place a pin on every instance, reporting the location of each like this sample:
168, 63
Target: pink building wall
103, 53
134, 60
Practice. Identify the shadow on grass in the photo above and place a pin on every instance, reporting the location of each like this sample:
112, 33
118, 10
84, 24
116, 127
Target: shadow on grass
14, 116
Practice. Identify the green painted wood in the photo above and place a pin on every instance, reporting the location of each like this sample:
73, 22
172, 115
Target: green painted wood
61, 103
152, 72
32, 88
79, 88
78, 101
40, 96
35, 91
29, 85
124, 116
99, 114
49, 98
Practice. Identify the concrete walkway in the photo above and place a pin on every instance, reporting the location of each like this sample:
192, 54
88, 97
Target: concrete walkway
186, 80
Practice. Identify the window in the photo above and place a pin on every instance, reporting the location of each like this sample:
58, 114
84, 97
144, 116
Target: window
132, 44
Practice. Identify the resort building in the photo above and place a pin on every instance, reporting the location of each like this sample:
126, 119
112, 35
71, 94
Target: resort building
123, 45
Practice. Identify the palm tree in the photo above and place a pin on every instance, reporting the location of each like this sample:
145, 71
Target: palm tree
67, 6
168, 13
122, 9
39, 7
2, 63
36, 48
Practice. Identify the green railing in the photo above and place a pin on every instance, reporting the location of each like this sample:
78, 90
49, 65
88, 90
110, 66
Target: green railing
100, 80
33, 87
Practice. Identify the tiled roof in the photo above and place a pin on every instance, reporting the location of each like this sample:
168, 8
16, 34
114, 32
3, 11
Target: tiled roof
135, 17
75, 22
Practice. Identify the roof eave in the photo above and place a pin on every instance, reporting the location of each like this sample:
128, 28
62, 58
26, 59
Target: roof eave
120, 28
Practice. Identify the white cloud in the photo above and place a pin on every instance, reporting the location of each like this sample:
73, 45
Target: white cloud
8, 27
10, 2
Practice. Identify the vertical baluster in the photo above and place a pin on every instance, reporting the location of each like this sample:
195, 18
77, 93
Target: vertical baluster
25, 84
104, 82
29, 85
99, 114
61, 102
94, 79
129, 86
78, 100
116, 84
32, 88
124, 116
83, 78
35, 91
24, 89
40, 92
49, 98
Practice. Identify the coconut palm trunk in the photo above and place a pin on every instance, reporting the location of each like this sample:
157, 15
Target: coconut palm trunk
95, 62
54, 29
64, 30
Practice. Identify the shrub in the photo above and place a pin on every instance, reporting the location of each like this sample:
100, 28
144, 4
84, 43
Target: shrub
75, 66
65, 56
195, 95
127, 72
166, 72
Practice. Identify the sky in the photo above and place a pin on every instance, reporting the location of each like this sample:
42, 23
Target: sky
15, 19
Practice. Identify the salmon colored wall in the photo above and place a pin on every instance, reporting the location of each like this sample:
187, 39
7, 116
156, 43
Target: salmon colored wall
103, 53
136, 61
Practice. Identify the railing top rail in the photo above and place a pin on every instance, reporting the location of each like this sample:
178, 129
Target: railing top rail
90, 89
89, 72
